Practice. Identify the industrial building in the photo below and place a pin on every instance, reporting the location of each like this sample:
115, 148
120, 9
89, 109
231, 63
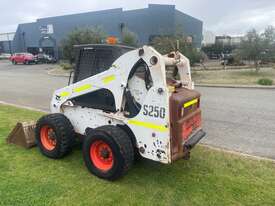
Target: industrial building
46, 34
229, 40
6, 42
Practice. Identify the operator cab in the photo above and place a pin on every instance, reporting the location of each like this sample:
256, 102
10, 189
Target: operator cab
97, 58
92, 59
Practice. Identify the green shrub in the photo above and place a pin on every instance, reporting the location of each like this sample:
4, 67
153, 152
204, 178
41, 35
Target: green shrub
129, 38
66, 66
82, 35
265, 81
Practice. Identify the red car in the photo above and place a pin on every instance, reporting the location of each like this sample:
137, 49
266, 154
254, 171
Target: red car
24, 58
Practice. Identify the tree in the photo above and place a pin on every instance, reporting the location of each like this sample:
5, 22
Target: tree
129, 38
269, 44
269, 36
251, 48
166, 44
88, 35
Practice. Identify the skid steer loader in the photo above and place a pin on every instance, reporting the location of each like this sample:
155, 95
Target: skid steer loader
123, 103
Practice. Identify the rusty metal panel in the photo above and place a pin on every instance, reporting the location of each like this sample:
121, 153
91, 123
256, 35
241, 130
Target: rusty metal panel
178, 115
23, 135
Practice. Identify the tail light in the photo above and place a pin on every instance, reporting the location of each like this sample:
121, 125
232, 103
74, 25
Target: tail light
190, 125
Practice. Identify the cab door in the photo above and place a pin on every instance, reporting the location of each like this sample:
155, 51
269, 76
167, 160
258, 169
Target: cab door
19, 58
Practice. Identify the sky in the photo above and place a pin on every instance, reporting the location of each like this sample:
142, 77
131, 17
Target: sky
232, 17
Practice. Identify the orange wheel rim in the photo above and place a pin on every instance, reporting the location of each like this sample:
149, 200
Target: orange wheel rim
47, 137
101, 155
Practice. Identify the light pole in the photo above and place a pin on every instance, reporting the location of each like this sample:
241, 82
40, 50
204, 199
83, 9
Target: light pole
9, 42
24, 43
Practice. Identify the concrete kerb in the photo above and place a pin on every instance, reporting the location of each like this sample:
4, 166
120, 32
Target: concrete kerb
259, 158
50, 72
23, 107
235, 86
241, 154
203, 145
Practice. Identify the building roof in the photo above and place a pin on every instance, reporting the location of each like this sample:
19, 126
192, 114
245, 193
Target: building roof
115, 10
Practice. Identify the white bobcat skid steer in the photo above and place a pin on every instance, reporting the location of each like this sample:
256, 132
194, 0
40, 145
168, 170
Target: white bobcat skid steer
123, 102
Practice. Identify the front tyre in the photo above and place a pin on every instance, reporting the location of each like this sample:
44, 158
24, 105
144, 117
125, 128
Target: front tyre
54, 135
108, 152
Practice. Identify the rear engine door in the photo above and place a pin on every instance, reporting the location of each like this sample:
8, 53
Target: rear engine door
185, 117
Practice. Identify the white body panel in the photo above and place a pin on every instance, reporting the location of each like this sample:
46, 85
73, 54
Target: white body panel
152, 132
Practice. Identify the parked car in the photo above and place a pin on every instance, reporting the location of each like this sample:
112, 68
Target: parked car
24, 58
4, 56
44, 58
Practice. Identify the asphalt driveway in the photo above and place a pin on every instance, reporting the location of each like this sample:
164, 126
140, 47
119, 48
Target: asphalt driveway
28, 85
236, 119
240, 119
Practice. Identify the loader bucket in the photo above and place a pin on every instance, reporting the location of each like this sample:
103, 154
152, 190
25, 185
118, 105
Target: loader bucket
23, 135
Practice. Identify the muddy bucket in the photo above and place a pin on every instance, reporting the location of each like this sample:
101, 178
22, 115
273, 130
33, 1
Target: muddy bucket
23, 135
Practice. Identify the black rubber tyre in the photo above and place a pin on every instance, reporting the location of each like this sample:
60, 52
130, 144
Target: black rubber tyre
64, 135
137, 155
14, 62
121, 147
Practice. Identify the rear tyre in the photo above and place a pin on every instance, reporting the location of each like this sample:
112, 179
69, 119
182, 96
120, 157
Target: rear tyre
108, 152
54, 135
14, 62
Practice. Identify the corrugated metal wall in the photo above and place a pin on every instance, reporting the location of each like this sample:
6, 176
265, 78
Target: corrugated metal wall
154, 20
